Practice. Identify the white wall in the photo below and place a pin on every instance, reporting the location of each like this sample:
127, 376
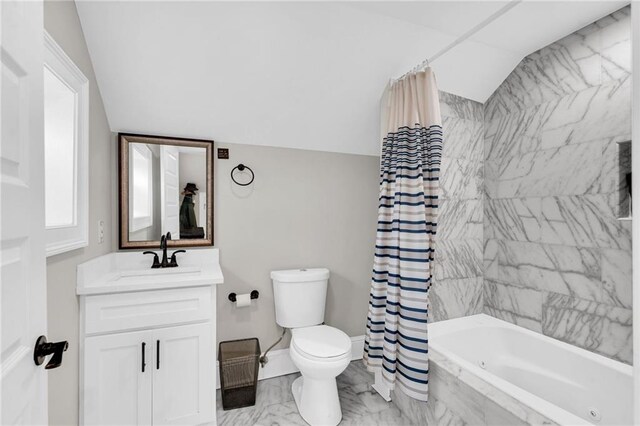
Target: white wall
61, 21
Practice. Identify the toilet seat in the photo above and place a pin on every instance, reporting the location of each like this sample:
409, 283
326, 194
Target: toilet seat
321, 342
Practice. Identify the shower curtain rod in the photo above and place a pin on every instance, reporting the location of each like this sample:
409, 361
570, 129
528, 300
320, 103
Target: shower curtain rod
424, 64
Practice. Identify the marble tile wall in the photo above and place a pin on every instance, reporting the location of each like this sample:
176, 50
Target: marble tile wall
556, 258
457, 286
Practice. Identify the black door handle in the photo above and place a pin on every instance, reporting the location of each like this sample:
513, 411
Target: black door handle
44, 348
144, 364
157, 354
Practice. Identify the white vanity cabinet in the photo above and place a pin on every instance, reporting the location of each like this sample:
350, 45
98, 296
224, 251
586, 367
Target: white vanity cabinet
148, 354
114, 389
183, 391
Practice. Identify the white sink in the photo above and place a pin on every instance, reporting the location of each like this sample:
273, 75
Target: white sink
131, 271
160, 272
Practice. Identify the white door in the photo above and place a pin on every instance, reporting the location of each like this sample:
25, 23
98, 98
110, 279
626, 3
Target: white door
118, 374
170, 190
183, 381
22, 237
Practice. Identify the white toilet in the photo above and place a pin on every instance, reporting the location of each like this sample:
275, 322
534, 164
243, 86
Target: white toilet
319, 351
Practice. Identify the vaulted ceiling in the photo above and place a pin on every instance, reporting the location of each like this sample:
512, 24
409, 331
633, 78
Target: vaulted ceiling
303, 75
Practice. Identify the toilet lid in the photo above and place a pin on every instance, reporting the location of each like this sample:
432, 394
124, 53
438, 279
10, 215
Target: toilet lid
321, 341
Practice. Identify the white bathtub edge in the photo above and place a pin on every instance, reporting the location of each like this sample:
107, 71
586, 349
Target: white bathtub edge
448, 326
517, 401
510, 397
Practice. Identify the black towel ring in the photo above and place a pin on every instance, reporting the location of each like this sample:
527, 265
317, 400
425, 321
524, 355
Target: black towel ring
241, 168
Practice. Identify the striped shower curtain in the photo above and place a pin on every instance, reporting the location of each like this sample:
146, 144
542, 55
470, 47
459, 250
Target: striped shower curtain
396, 336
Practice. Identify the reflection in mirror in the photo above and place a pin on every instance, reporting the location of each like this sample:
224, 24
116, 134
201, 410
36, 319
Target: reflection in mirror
181, 208
193, 205
143, 222
168, 184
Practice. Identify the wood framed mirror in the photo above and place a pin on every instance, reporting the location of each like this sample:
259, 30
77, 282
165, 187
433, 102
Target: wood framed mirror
165, 185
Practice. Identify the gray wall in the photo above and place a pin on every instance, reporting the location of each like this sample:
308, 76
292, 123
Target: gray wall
313, 209
61, 21
457, 280
557, 259
305, 209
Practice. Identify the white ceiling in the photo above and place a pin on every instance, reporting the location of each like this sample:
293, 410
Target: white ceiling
300, 75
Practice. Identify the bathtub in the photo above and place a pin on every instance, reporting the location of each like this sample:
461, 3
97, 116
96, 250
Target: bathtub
555, 381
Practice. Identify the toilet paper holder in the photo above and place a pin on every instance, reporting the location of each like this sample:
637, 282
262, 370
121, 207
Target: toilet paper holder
254, 295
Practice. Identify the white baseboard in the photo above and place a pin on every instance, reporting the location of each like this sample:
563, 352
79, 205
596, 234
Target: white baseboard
280, 363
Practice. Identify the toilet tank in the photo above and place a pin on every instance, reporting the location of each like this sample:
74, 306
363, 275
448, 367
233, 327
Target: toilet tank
300, 296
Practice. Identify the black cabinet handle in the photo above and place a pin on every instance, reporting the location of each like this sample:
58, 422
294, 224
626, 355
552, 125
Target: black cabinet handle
157, 354
144, 345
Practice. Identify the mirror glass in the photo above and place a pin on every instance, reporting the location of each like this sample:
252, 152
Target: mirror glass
168, 186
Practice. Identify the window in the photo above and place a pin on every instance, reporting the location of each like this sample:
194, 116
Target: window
66, 129
141, 169
59, 112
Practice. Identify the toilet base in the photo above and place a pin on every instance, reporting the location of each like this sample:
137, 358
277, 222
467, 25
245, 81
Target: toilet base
317, 401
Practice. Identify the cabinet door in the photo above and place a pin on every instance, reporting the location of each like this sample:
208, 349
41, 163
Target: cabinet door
116, 389
183, 375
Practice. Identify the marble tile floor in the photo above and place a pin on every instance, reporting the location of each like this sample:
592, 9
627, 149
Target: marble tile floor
275, 406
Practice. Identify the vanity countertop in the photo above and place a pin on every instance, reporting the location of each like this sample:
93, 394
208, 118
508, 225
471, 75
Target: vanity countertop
129, 271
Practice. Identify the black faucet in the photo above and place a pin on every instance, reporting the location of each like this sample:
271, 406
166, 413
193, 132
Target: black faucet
156, 260
165, 263
174, 262
164, 240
